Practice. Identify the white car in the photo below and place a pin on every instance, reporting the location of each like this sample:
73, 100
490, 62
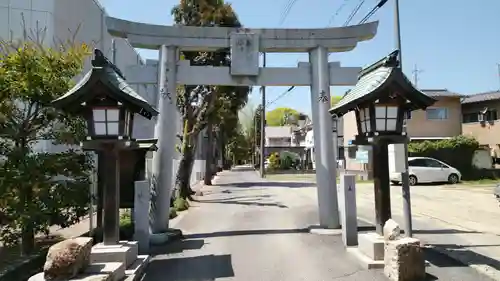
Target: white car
428, 170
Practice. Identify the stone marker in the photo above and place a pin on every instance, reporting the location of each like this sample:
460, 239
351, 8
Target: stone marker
67, 259
403, 257
392, 231
404, 260
142, 201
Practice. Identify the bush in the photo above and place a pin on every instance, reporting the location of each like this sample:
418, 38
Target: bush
286, 162
457, 152
274, 161
181, 204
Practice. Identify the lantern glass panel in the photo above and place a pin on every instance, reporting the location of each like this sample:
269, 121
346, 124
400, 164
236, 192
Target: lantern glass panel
364, 116
106, 121
386, 118
99, 115
100, 128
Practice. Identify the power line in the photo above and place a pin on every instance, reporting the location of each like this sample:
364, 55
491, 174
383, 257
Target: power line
281, 95
354, 12
288, 7
373, 11
337, 12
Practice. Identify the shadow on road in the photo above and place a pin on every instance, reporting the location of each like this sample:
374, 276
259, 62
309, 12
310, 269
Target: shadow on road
441, 231
244, 200
269, 184
470, 256
178, 247
201, 268
246, 232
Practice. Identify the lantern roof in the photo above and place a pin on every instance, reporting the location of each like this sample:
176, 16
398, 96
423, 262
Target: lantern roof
105, 72
379, 80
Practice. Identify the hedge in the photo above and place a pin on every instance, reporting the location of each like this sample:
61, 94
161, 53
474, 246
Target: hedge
457, 152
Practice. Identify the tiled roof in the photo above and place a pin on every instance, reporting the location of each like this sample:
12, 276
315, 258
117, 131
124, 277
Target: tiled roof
376, 77
493, 95
436, 93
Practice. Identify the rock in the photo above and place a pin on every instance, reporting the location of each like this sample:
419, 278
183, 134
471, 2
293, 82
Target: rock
391, 230
67, 259
404, 260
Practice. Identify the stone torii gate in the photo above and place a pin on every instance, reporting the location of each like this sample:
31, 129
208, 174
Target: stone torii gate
245, 46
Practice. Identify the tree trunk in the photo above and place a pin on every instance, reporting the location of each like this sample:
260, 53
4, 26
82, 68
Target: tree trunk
183, 177
208, 155
182, 180
27, 232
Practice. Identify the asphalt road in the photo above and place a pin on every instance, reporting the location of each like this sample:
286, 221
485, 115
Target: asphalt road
248, 229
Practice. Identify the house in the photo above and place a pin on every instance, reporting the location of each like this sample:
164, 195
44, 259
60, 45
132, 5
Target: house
278, 136
440, 121
304, 137
479, 119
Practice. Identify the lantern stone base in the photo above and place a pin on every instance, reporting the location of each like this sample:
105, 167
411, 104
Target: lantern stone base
126, 253
404, 260
370, 250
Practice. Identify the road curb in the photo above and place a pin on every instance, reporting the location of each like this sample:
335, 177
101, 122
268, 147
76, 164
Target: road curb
462, 257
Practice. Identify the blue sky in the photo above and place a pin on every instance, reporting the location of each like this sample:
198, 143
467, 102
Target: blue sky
454, 43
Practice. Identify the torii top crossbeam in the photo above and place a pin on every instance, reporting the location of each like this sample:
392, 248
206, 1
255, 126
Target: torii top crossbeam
192, 38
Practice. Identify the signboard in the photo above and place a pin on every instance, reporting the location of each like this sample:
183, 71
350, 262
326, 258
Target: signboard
362, 156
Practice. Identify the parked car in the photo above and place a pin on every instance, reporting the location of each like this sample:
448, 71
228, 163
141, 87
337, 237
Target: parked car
496, 192
428, 170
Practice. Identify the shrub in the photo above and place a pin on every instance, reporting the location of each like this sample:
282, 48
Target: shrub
457, 152
274, 161
181, 204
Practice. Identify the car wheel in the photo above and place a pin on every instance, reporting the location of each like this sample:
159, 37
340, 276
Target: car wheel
453, 179
412, 180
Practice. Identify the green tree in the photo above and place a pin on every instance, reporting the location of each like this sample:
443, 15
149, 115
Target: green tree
202, 104
334, 100
282, 116
39, 189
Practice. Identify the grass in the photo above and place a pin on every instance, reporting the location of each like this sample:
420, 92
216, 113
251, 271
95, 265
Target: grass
302, 177
491, 182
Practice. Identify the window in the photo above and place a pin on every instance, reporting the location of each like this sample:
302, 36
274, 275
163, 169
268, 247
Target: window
490, 115
106, 121
438, 113
422, 162
470, 117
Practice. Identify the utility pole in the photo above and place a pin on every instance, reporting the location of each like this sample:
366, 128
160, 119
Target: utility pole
498, 65
416, 71
263, 127
404, 175
207, 180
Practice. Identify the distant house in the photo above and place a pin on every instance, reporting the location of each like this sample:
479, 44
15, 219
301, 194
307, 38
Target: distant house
479, 119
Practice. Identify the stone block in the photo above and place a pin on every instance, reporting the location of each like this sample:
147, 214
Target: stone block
115, 253
67, 259
392, 231
404, 260
116, 270
371, 245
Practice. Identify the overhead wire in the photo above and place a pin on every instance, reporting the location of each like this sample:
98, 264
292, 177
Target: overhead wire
288, 7
337, 12
354, 12
379, 5
349, 19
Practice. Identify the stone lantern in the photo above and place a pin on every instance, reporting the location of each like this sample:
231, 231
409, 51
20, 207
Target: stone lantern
108, 105
380, 100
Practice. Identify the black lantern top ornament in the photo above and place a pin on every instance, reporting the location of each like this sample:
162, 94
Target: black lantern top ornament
106, 101
381, 98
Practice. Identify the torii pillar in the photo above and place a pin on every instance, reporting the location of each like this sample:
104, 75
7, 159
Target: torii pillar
245, 45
